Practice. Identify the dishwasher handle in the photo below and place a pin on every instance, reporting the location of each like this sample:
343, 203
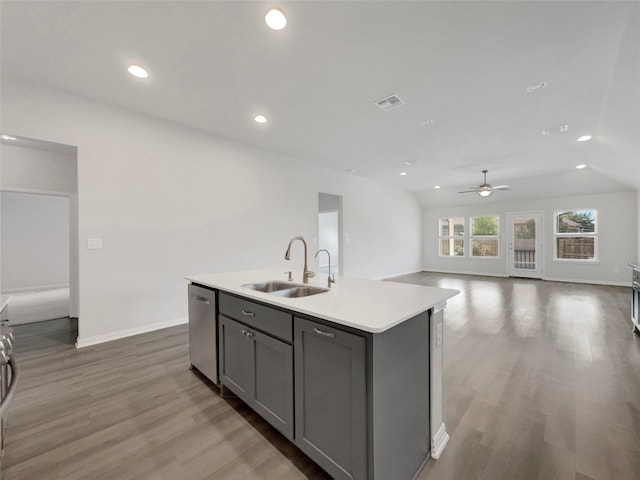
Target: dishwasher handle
200, 299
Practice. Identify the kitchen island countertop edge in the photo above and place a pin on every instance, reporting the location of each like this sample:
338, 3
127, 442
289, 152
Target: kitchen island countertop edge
372, 306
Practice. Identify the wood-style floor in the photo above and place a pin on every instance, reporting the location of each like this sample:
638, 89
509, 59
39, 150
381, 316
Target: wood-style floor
542, 381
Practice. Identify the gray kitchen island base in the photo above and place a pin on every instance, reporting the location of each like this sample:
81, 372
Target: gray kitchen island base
360, 396
359, 401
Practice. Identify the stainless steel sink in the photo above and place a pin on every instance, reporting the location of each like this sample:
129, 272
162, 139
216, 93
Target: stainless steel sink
285, 289
300, 291
270, 286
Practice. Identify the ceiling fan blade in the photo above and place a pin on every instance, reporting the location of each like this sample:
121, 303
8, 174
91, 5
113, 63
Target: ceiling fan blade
469, 191
501, 187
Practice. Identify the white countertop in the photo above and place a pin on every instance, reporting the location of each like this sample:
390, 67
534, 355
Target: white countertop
369, 305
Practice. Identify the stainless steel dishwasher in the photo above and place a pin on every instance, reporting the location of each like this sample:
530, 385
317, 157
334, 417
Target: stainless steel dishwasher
203, 338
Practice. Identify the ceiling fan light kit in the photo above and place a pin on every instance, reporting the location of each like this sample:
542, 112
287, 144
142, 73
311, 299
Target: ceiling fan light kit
485, 189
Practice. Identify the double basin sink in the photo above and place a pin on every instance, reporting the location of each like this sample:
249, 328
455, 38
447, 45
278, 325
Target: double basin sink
285, 289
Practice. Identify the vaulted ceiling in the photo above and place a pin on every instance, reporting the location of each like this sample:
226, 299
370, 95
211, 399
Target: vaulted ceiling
462, 69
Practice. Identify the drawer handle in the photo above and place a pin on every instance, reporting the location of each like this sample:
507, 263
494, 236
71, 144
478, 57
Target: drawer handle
247, 333
248, 313
324, 334
200, 299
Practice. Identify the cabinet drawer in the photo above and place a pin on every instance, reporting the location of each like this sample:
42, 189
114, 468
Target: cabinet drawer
267, 319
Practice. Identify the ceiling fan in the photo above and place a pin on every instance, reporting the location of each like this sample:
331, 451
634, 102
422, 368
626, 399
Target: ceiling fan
485, 189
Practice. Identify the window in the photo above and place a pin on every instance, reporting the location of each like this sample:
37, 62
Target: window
576, 235
452, 237
484, 236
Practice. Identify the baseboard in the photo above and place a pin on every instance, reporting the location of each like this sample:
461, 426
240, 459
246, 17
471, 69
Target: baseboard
35, 288
545, 278
464, 272
439, 441
591, 282
129, 332
393, 275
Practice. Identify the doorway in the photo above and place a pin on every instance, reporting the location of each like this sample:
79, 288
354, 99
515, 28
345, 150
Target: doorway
330, 233
39, 196
38, 254
524, 243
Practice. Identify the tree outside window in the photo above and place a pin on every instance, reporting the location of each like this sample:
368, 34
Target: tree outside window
485, 231
576, 235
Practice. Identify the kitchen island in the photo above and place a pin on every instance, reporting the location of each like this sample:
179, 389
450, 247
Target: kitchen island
352, 376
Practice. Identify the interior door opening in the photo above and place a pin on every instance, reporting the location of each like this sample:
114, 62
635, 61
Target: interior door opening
39, 225
330, 233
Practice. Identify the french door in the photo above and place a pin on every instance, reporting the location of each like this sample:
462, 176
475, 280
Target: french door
524, 244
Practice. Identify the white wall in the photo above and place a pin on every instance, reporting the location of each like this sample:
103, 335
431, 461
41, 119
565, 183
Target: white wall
169, 201
638, 226
617, 237
35, 241
28, 168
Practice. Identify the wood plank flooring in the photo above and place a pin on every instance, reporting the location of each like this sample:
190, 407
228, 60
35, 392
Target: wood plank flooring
542, 381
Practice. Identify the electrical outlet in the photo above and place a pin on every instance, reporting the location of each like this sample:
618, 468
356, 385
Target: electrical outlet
94, 243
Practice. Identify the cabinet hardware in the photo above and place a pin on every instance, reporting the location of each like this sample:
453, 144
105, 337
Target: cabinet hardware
248, 313
324, 334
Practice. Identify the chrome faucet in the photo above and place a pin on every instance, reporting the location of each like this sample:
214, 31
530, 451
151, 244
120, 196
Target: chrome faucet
306, 273
330, 279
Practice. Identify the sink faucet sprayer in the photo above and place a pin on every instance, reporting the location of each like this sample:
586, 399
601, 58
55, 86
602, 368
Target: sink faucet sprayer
330, 279
306, 273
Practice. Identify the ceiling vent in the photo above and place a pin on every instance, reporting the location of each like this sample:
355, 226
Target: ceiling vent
413, 161
390, 102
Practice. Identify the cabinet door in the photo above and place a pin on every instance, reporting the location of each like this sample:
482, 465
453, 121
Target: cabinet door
273, 386
259, 370
236, 358
330, 392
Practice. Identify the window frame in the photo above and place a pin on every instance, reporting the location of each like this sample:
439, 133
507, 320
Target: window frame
462, 237
558, 235
472, 237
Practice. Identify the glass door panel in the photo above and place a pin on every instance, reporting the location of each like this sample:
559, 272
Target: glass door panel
525, 244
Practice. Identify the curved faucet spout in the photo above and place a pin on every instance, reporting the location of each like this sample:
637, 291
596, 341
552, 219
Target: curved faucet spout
306, 273
331, 279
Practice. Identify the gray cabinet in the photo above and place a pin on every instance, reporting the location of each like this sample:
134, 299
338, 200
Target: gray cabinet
203, 331
356, 403
331, 398
259, 370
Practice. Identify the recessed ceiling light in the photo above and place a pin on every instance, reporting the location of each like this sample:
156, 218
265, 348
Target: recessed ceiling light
437, 187
536, 87
138, 71
260, 119
8, 137
425, 123
581, 166
584, 138
275, 19
403, 173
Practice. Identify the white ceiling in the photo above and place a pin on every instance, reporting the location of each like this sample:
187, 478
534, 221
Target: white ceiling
464, 65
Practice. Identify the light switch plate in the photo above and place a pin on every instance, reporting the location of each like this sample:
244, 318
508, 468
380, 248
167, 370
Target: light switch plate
94, 243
